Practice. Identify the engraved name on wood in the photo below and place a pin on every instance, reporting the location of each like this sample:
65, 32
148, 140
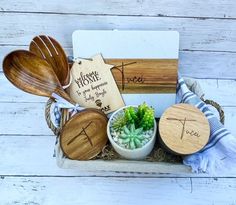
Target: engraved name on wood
145, 75
184, 129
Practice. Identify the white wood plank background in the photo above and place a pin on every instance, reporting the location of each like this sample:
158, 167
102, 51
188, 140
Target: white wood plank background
28, 171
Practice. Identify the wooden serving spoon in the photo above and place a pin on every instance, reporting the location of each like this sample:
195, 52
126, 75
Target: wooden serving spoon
49, 49
32, 74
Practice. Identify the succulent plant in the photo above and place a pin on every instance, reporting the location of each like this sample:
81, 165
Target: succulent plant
119, 122
143, 116
146, 116
131, 115
131, 137
132, 128
147, 121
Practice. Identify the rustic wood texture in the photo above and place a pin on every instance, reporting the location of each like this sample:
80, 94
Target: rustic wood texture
207, 51
48, 190
145, 75
184, 129
218, 64
49, 49
84, 135
32, 74
219, 9
195, 33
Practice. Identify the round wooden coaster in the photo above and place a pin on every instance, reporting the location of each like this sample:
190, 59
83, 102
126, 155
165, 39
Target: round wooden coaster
184, 129
84, 135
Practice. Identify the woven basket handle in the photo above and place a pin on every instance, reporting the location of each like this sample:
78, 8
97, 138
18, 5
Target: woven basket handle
218, 107
55, 130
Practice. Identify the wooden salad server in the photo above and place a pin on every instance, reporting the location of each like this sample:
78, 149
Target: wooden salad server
49, 49
32, 74
84, 135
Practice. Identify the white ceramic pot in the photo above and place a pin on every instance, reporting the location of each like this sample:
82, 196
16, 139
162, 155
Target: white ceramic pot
138, 153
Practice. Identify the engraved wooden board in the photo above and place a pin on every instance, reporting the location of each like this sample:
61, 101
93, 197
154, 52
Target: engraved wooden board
184, 129
146, 62
137, 75
84, 135
145, 75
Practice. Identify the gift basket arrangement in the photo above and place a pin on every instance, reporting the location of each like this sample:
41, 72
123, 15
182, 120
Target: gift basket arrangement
121, 105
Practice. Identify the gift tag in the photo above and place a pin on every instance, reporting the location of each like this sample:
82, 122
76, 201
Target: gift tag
184, 129
93, 85
84, 135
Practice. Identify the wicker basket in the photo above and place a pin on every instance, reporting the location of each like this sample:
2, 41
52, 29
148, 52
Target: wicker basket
111, 157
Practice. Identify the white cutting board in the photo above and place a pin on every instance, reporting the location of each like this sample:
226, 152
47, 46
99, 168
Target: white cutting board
131, 44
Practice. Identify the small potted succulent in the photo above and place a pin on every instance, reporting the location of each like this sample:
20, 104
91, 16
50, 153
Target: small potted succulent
132, 131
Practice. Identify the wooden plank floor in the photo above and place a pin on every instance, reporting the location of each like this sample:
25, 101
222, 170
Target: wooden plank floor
28, 171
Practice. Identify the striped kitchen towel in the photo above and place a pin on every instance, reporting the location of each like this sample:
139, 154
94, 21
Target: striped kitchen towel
219, 155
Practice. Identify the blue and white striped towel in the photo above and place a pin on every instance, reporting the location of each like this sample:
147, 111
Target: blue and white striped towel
220, 152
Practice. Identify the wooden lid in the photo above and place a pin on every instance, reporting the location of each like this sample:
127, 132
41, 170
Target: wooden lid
184, 129
84, 135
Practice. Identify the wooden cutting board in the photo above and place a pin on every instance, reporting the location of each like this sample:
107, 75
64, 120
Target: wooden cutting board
145, 62
145, 75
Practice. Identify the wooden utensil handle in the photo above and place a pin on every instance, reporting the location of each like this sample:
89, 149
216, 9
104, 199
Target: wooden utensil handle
64, 95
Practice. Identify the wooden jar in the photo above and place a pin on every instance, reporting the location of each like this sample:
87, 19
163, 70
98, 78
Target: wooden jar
184, 129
